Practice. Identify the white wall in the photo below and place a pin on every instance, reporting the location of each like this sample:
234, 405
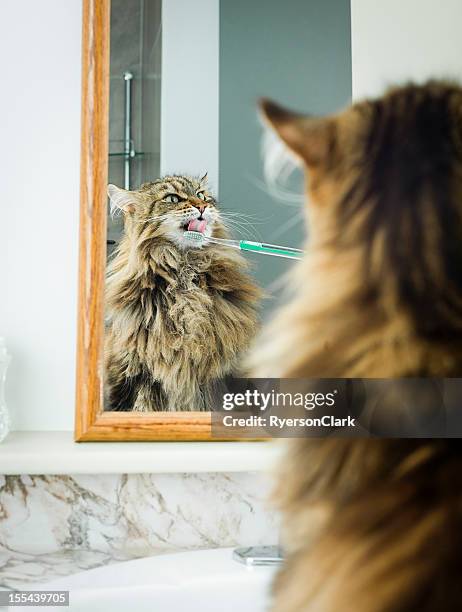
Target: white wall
190, 87
40, 47
40, 43
397, 40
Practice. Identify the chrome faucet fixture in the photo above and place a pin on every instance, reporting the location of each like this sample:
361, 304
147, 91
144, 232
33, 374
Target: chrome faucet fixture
253, 556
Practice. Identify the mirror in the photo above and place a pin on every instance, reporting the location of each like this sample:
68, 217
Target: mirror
179, 126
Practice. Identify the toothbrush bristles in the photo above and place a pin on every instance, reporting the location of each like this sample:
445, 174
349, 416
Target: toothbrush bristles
193, 236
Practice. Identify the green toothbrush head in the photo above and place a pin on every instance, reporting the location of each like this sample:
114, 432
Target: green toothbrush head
194, 238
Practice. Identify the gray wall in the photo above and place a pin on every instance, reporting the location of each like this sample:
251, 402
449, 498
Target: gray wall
297, 52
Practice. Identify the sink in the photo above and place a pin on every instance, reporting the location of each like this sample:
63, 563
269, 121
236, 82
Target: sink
202, 581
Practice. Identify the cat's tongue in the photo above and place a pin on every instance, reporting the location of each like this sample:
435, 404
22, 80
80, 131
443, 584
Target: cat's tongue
197, 225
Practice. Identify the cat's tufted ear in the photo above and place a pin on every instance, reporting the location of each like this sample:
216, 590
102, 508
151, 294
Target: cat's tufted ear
204, 178
122, 199
310, 138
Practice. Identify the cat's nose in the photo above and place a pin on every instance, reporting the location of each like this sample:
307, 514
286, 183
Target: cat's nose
200, 207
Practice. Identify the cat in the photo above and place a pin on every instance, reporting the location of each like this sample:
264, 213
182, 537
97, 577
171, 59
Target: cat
373, 525
179, 316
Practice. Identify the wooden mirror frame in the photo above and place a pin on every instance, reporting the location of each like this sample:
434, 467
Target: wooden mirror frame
92, 422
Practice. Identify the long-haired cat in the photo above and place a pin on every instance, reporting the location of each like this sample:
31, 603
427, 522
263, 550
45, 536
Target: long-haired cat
374, 525
179, 317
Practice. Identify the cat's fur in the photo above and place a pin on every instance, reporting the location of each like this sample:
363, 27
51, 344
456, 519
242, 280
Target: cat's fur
374, 525
178, 317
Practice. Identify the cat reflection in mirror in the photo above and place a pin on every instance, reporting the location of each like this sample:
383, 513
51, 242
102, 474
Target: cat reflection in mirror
179, 316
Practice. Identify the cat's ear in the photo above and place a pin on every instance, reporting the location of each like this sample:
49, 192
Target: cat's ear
310, 138
204, 178
122, 199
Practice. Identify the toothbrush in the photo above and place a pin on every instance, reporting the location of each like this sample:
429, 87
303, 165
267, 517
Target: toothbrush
246, 245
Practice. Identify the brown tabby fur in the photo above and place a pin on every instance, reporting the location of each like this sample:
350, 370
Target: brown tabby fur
374, 525
179, 317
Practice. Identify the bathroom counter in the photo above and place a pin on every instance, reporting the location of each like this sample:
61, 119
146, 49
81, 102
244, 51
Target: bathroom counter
55, 452
58, 525
18, 570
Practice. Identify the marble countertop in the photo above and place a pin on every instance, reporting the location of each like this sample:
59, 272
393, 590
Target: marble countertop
57, 525
18, 570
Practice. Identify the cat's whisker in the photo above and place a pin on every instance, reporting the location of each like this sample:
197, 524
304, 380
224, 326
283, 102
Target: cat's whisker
244, 224
162, 217
243, 217
238, 212
234, 231
241, 228
151, 219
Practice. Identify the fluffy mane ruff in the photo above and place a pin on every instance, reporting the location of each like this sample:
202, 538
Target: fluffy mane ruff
178, 322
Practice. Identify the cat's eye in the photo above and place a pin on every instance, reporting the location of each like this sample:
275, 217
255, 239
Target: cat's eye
201, 195
172, 198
